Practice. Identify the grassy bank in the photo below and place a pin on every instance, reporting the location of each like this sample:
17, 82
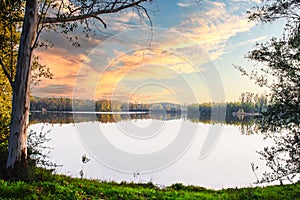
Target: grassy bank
63, 187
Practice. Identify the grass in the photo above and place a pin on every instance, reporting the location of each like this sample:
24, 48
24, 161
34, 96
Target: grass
63, 187
39, 183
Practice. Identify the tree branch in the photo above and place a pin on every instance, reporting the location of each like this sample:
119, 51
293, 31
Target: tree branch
43, 12
147, 14
96, 17
6, 74
53, 20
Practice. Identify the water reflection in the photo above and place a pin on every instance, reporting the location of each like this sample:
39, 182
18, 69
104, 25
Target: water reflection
228, 165
195, 117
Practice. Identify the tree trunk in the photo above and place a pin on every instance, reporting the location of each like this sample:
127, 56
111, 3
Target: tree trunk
17, 150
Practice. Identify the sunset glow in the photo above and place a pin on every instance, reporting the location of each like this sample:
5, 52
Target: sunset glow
161, 74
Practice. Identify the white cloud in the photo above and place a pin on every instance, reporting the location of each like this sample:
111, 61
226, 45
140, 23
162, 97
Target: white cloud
125, 20
211, 28
255, 1
251, 41
184, 4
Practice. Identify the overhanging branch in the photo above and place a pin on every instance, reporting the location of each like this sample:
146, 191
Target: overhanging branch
104, 24
53, 20
147, 14
6, 73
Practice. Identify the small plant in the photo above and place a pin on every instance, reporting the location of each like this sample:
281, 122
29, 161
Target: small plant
38, 164
254, 168
84, 160
37, 150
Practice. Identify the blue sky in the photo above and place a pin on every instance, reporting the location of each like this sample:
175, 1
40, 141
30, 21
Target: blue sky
172, 64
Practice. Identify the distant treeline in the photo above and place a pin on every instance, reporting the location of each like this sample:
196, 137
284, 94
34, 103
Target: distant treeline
67, 104
249, 103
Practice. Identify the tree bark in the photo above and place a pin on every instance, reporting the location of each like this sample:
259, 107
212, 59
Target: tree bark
17, 148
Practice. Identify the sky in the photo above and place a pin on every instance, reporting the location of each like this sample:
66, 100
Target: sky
187, 56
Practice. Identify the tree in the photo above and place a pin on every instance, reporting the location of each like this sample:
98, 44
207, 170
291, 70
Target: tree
279, 70
272, 10
280, 59
9, 36
35, 17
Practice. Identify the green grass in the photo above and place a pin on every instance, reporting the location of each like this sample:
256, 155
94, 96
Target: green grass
63, 187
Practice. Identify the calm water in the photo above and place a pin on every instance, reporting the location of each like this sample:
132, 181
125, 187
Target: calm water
160, 149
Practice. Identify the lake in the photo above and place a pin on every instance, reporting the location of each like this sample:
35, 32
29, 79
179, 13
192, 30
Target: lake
161, 148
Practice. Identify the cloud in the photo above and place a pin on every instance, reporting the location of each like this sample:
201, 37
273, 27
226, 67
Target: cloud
251, 41
155, 65
124, 20
61, 43
255, 1
153, 93
63, 65
131, 70
212, 27
184, 4
54, 89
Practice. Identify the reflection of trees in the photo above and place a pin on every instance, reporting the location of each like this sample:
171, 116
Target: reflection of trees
249, 129
51, 117
250, 104
64, 118
197, 117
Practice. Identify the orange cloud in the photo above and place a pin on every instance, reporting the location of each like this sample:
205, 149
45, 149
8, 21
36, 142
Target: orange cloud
76, 69
139, 66
62, 65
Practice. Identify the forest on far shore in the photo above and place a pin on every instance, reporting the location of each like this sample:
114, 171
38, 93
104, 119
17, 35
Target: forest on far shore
248, 103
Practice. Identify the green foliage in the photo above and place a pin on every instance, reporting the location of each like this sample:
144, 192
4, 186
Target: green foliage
9, 40
272, 10
39, 72
9, 37
5, 107
9, 33
38, 166
37, 149
62, 187
249, 105
279, 70
29, 173
280, 64
280, 57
